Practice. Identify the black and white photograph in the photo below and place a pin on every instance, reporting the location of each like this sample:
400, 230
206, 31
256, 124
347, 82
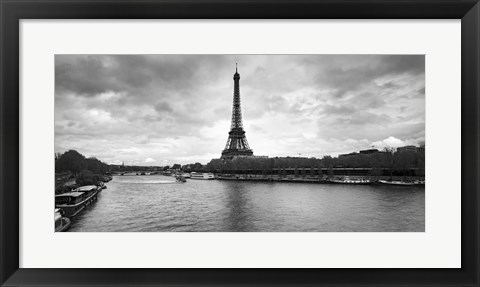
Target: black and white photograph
239, 143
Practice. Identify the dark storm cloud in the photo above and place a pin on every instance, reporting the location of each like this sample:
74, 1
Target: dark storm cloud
89, 75
164, 108
347, 73
81, 75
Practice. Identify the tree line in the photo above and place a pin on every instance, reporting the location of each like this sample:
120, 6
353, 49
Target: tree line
75, 162
387, 159
86, 171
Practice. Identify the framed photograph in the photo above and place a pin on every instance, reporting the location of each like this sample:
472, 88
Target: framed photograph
239, 143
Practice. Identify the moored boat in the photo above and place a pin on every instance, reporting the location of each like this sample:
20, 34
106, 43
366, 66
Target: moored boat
101, 185
396, 182
419, 182
202, 175
61, 223
347, 180
107, 178
74, 202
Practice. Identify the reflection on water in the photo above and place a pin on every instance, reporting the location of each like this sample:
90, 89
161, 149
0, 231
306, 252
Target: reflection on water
155, 204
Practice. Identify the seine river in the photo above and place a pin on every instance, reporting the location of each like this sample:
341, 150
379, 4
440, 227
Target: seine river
151, 203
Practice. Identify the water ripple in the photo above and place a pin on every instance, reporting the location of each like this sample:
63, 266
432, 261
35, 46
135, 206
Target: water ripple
155, 204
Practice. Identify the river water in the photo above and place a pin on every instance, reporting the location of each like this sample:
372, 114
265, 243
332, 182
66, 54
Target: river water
153, 204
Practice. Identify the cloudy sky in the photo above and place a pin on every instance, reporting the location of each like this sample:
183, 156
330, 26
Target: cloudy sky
165, 109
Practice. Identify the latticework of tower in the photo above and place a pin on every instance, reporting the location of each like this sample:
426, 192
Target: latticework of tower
237, 144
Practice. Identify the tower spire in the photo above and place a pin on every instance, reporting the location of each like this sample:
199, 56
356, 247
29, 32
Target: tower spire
237, 144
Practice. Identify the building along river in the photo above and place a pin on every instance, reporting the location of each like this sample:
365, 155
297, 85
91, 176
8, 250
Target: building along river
152, 203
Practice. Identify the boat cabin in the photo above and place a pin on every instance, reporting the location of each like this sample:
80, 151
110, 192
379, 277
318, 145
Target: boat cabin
70, 198
76, 196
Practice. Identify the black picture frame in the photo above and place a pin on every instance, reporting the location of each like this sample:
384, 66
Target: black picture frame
12, 11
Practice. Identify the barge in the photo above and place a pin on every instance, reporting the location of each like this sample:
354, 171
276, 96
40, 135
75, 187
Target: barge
72, 203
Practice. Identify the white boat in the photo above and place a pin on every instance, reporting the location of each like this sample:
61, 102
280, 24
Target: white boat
347, 180
396, 182
186, 175
202, 175
61, 223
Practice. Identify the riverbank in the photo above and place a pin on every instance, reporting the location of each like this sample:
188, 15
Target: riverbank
312, 179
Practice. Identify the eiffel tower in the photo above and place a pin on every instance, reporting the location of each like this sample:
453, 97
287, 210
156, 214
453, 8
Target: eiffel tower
237, 144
